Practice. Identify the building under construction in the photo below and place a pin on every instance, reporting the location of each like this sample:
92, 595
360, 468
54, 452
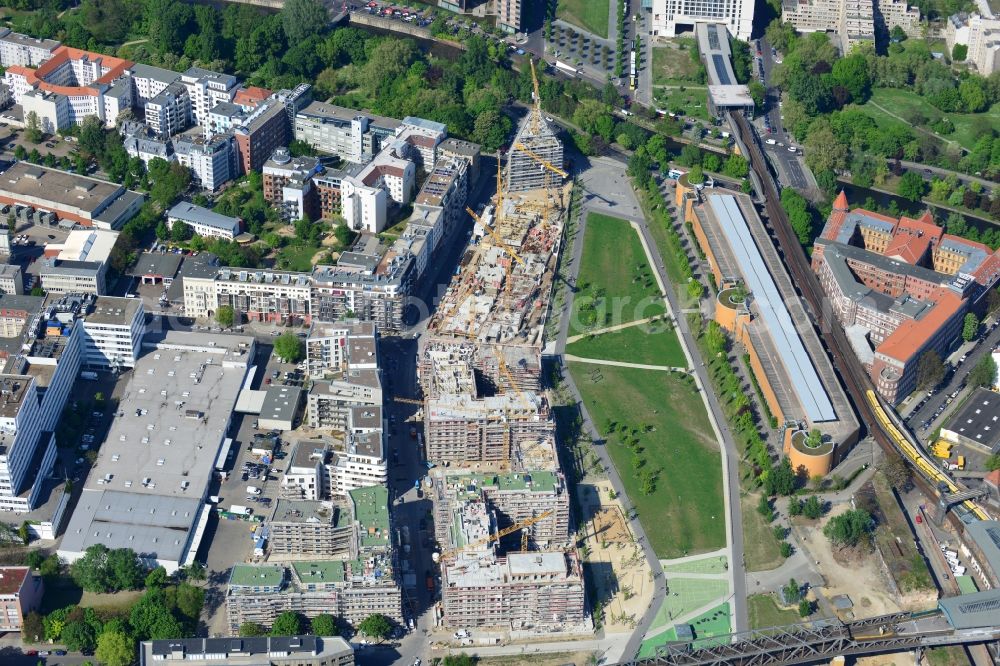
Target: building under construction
534, 153
513, 497
541, 590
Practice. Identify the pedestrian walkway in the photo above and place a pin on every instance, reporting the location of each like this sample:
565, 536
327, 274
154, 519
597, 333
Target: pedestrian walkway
611, 329
623, 364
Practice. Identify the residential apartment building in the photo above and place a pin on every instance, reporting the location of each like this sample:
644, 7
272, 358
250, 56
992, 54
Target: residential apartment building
112, 332
351, 590
141, 141
341, 346
16, 310
148, 81
347, 133
424, 136
20, 593
900, 287
981, 35
260, 651
22, 50
446, 187
258, 295
479, 588
288, 185
673, 16
262, 132
508, 12
206, 89
169, 112
368, 285
213, 160
309, 529
204, 222
852, 21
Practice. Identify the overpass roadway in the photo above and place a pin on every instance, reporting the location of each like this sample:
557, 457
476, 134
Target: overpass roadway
822, 641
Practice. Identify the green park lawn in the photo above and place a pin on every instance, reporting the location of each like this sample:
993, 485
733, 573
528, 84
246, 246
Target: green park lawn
591, 15
761, 550
764, 612
691, 101
615, 284
672, 65
297, 257
904, 102
684, 513
654, 343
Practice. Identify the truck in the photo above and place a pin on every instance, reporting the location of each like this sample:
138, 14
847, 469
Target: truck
240, 510
566, 68
89, 376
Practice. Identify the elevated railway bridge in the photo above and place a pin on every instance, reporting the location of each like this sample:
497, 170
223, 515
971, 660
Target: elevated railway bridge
822, 641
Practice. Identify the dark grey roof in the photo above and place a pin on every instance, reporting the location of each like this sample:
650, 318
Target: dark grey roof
979, 421
970, 611
189, 212
885, 263
281, 403
21, 302
238, 646
164, 264
112, 213
986, 535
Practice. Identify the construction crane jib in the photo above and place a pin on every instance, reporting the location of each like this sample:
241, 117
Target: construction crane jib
449, 554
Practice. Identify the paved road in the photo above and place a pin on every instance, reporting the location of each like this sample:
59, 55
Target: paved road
927, 171
955, 383
790, 167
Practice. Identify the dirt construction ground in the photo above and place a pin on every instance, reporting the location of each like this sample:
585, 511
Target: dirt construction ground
857, 576
615, 564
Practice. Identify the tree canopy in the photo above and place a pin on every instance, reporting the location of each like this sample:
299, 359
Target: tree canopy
104, 570
289, 347
375, 626
849, 528
288, 623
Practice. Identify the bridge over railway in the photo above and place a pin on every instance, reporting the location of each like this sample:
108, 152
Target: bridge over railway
822, 641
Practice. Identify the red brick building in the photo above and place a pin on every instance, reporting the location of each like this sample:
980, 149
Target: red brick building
264, 130
900, 287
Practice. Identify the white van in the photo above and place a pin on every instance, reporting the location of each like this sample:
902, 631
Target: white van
253, 490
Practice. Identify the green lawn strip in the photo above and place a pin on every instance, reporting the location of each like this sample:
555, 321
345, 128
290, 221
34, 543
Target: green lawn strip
684, 513
707, 626
591, 15
615, 284
708, 565
686, 595
652, 343
692, 101
763, 612
761, 551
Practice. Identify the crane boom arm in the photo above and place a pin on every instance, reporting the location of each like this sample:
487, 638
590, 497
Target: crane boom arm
541, 160
495, 236
499, 535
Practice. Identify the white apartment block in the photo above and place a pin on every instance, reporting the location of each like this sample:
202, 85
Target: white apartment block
204, 222
169, 112
18, 49
424, 136
112, 333
263, 296
11, 281
853, 21
52, 109
981, 35
736, 15
212, 160
139, 141
344, 132
206, 89
150, 81
363, 207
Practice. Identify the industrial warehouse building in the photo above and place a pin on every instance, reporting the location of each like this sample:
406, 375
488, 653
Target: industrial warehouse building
149, 486
977, 423
758, 305
82, 200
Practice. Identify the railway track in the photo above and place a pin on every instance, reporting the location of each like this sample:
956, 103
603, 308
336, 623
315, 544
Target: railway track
846, 364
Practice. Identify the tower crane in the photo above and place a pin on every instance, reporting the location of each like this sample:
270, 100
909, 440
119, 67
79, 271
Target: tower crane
537, 114
448, 554
541, 160
505, 371
495, 236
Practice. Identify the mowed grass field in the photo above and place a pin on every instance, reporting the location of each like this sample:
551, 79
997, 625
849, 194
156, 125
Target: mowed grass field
615, 282
684, 514
903, 102
673, 65
591, 15
764, 612
761, 551
692, 101
653, 343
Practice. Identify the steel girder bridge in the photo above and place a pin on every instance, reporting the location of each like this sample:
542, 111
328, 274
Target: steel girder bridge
820, 642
